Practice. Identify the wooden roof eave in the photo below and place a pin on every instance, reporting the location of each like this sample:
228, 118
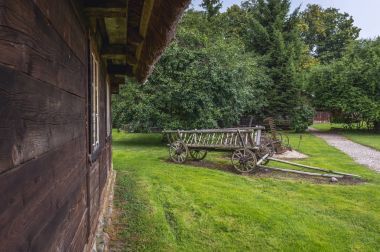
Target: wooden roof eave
143, 42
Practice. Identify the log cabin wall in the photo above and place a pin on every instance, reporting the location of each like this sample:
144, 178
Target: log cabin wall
50, 188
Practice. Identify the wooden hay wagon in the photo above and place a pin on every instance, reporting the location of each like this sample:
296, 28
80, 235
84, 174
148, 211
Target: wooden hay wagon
251, 148
247, 145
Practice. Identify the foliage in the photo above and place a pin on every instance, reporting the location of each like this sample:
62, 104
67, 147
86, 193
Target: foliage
169, 207
200, 82
327, 32
274, 35
350, 86
212, 7
302, 118
257, 59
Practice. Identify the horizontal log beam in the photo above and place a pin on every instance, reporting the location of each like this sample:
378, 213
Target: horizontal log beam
115, 4
106, 8
113, 51
116, 79
106, 12
120, 70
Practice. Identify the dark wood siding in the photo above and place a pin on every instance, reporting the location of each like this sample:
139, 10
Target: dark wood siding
50, 191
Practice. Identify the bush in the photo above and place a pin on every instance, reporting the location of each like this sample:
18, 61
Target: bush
302, 118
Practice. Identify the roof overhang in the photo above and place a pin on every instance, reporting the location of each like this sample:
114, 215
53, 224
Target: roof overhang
134, 33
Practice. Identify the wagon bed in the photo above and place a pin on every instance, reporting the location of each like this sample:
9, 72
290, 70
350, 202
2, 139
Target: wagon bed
217, 139
246, 144
250, 147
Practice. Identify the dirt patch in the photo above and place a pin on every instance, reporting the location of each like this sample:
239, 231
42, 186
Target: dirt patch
291, 155
267, 173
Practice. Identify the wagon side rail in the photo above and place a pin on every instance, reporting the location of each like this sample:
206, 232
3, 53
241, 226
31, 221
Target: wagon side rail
228, 139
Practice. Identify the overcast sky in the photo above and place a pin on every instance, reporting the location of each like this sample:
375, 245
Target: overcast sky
365, 12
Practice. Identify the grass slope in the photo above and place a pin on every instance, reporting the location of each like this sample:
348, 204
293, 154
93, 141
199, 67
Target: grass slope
168, 207
361, 136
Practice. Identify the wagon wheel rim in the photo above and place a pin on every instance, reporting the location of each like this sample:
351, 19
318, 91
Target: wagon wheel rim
244, 160
178, 152
198, 154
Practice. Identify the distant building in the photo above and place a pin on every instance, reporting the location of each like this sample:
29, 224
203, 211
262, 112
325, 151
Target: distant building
322, 117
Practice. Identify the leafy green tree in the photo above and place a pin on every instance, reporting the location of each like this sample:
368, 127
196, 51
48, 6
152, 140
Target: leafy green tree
327, 32
201, 81
350, 87
212, 7
234, 23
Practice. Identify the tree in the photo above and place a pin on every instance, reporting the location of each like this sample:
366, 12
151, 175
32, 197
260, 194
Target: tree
350, 86
201, 81
327, 32
212, 7
274, 35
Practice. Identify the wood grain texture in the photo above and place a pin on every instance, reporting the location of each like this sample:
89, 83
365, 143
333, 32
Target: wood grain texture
37, 193
69, 26
49, 192
36, 117
80, 237
94, 195
60, 231
31, 45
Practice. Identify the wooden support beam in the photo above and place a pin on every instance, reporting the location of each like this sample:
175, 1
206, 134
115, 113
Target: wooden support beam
120, 70
134, 38
144, 24
110, 8
114, 87
112, 51
105, 13
103, 31
116, 79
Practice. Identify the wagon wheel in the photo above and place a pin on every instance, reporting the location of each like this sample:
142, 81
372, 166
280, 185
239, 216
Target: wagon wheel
244, 160
198, 155
264, 150
178, 152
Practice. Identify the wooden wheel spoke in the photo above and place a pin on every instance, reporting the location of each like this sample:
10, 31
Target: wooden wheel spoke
244, 160
178, 152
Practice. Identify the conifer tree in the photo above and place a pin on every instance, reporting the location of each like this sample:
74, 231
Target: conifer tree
275, 37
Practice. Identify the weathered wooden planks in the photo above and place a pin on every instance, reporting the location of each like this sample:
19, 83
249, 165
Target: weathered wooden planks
61, 15
80, 238
34, 194
49, 191
28, 43
94, 195
36, 117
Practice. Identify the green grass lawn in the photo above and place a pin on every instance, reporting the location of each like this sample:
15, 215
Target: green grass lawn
163, 206
362, 136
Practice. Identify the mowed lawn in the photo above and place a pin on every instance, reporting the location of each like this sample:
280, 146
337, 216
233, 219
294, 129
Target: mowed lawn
162, 206
361, 136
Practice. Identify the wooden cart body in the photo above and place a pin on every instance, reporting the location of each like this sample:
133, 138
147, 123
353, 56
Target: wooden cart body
244, 143
250, 147
218, 139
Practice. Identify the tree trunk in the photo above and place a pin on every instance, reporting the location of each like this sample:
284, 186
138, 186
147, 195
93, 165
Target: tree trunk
377, 126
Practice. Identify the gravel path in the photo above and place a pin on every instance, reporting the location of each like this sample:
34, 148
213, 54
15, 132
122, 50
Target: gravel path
361, 154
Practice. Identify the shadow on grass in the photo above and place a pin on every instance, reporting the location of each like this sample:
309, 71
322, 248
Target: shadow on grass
140, 140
